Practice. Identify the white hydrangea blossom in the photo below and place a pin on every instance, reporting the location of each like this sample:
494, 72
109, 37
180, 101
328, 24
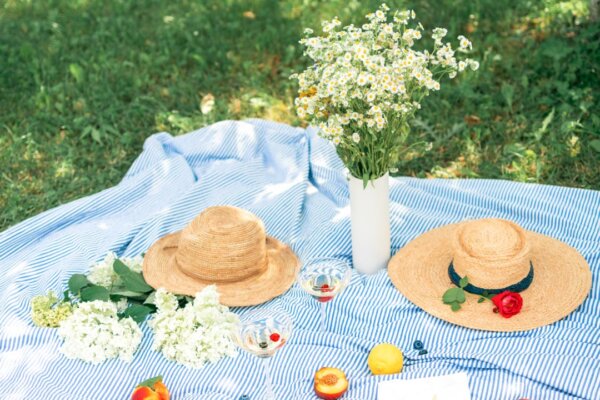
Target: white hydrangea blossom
94, 333
195, 334
103, 274
367, 82
121, 305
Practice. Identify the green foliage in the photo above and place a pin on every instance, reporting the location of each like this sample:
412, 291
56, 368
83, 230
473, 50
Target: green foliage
133, 288
94, 292
133, 281
137, 312
150, 382
77, 282
83, 83
48, 311
485, 296
455, 296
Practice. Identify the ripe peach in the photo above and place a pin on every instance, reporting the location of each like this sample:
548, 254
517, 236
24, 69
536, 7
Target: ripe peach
144, 393
330, 383
161, 390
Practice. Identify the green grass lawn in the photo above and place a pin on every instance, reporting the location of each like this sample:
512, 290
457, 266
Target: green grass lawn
84, 82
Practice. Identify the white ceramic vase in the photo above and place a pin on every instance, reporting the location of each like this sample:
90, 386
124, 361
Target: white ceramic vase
370, 216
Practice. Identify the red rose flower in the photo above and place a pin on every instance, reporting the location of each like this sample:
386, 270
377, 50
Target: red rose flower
508, 303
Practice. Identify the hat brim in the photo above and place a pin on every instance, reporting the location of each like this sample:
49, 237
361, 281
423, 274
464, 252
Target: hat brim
160, 269
562, 281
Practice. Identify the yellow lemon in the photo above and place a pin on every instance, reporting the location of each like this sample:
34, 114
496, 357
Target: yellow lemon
385, 359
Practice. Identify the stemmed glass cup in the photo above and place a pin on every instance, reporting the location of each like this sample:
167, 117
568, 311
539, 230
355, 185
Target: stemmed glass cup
262, 333
323, 279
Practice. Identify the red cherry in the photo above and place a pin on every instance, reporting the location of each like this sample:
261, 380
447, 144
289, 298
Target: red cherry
274, 337
325, 289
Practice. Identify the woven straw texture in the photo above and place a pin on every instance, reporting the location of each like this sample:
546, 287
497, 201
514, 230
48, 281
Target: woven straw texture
492, 253
226, 246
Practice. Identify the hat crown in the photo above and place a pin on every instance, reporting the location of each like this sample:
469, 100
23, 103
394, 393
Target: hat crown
223, 244
492, 253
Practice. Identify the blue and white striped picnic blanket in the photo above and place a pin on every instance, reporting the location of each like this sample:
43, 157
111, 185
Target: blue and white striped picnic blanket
294, 181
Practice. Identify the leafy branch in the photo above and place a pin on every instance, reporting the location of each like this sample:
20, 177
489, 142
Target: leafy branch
133, 288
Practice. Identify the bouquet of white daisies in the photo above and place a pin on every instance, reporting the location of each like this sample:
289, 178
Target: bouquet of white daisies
366, 83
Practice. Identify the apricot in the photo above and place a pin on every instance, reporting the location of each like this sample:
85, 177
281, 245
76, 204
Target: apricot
330, 383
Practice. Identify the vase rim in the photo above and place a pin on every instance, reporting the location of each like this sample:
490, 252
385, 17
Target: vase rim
350, 176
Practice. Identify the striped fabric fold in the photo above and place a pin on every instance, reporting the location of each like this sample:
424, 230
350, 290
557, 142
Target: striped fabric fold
295, 183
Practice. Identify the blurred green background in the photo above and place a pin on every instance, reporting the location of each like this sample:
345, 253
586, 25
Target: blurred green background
84, 82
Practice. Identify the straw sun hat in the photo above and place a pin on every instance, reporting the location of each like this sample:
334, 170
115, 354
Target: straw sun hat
226, 246
494, 254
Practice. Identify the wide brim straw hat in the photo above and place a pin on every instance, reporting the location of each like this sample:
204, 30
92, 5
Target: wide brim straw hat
552, 278
225, 246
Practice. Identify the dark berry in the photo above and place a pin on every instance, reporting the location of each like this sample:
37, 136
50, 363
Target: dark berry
418, 345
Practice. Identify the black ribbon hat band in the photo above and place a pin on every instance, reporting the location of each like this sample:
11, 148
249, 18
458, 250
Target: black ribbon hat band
517, 287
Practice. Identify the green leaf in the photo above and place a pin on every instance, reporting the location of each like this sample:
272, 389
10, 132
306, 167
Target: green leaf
66, 297
78, 282
138, 299
133, 281
94, 292
449, 296
595, 144
454, 295
150, 382
137, 312
126, 293
455, 306
96, 135
150, 298
545, 123
463, 282
481, 300
77, 72
508, 92
365, 179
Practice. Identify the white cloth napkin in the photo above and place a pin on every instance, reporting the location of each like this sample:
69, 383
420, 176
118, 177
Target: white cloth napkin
446, 387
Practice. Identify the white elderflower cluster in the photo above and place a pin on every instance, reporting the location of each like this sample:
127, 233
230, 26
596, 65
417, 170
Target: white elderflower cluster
366, 82
103, 274
196, 334
94, 333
